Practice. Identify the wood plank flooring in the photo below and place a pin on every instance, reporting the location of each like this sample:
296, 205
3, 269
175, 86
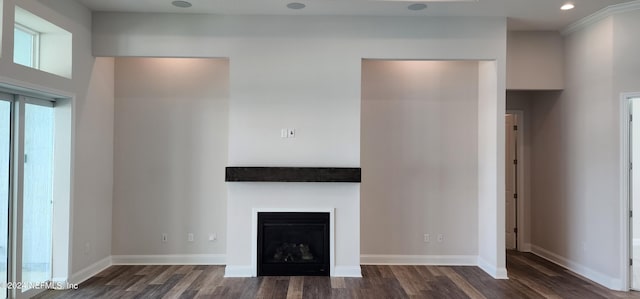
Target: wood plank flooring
530, 277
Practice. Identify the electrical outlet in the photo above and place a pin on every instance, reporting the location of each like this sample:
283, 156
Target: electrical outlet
440, 238
427, 238
164, 238
292, 133
190, 237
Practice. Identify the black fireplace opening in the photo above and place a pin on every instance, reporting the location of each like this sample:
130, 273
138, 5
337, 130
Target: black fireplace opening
293, 244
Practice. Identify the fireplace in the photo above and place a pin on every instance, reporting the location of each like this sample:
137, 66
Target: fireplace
293, 244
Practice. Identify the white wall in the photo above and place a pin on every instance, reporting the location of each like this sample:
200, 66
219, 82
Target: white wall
171, 123
92, 101
626, 67
535, 60
576, 216
94, 180
304, 73
419, 146
625, 52
491, 171
575, 158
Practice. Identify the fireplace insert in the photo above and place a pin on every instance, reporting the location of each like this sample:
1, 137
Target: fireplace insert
293, 244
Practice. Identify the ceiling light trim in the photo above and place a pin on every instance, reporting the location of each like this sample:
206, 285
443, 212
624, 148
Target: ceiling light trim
567, 6
181, 4
601, 15
296, 5
417, 6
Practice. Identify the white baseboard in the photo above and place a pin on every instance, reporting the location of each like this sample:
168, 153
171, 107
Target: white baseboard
497, 273
59, 279
239, 271
347, 271
170, 259
90, 271
580, 269
441, 260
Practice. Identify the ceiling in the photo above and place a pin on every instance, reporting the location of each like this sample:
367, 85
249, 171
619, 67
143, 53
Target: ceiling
521, 14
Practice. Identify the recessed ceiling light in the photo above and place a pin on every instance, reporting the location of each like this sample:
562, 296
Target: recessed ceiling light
296, 5
417, 6
181, 4
567, 6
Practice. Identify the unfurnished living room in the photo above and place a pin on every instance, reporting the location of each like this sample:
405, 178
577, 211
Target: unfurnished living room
319, 149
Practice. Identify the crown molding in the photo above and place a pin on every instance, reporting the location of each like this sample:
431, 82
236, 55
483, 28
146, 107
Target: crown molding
600, 15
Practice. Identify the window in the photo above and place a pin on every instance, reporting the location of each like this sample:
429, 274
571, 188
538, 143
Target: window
41, 45
26, 45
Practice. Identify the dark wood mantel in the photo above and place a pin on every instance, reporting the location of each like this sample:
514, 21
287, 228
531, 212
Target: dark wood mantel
293, 174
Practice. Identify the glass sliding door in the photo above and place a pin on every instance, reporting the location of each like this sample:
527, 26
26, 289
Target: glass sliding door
27, 167
26, 194
37, 192
5, 154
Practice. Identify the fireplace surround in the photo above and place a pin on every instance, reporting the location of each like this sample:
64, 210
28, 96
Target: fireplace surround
330, 190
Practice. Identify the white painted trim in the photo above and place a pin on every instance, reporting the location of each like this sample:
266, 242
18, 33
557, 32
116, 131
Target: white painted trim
254, 246
59, 279
347, 271
522, 187
526, 247
440, 260
580, 269
169, 259
490, 268
625, 196
600, 15
91, 270
239, 271
254, 234
35, 90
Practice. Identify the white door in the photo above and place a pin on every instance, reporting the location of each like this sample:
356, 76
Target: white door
511, 188
634, 134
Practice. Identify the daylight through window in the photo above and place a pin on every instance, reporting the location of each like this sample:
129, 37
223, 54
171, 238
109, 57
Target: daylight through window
25, 46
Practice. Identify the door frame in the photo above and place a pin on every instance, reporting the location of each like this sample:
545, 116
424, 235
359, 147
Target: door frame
626, 250
23, 92
521, 222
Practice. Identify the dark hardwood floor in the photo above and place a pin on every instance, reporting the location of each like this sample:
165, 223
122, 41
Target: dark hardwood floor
530, 277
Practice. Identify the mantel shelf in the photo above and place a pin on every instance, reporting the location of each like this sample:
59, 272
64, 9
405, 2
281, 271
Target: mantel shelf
293, 174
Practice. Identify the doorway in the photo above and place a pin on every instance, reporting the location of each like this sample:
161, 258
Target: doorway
515, 181
27, 128
511, 182
634, 190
